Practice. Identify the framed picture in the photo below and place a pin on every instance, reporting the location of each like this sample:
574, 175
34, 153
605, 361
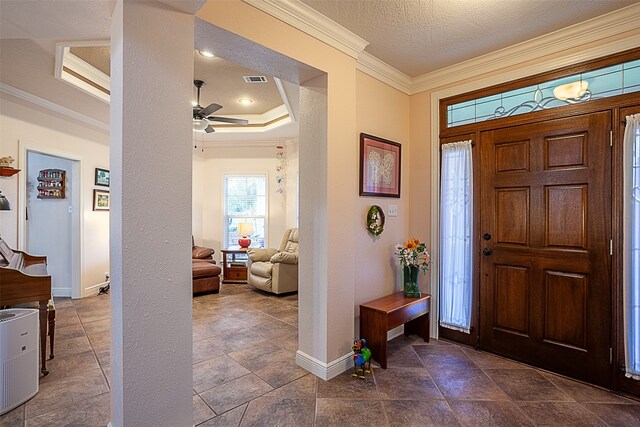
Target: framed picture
101, 200
102, 177
379, 167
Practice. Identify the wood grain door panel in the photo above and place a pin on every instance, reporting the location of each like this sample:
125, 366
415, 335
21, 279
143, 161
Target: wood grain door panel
545, 294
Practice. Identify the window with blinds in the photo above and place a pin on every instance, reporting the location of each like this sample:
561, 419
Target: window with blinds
245, 201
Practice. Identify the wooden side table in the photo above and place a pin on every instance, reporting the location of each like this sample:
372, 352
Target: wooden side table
234, 265
383, 314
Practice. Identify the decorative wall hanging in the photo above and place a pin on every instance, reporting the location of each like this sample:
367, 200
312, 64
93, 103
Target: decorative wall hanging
101, 200
103, 178
281, 171
375, 220
51, 184
379, 167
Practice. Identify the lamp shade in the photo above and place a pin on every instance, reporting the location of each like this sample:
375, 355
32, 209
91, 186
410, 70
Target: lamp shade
4, 203
199, 125
245, 228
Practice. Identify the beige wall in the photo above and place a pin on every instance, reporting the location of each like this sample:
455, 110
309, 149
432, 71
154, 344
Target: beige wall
31, 125
384, 112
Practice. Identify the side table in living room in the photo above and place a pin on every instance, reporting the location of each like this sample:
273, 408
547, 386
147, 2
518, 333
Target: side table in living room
234, 265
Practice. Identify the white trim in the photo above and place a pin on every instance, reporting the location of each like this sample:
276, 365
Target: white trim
384, 72
395, 332
323, 370
64, 58
564, 40
61, 292
18, 93
77, 227
285, 98
313, 23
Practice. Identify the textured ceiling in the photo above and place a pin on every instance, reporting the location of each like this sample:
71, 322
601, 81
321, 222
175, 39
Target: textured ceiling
419, 36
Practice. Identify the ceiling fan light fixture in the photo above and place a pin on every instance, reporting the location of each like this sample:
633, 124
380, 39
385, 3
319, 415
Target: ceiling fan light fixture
245, 101
199, 125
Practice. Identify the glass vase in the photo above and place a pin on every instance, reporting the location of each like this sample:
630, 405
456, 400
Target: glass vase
410, 281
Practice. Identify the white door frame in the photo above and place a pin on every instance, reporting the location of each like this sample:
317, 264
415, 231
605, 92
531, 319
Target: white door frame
77, 216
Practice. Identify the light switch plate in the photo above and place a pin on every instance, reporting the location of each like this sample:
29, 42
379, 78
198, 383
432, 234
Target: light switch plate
393, 210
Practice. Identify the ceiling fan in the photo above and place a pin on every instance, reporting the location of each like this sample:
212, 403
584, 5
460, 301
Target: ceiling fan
202, 116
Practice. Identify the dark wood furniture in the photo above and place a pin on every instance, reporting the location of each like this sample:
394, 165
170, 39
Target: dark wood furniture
234, 265
24, 279
383, 314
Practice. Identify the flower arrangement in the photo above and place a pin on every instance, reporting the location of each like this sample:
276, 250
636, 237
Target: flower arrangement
413, 254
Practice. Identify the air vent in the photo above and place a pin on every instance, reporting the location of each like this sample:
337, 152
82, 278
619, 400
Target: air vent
254, 79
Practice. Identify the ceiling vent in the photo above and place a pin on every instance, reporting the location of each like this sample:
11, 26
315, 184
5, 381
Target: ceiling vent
254, 79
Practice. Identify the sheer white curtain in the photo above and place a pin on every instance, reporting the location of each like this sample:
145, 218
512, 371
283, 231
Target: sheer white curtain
456, 208
631, 277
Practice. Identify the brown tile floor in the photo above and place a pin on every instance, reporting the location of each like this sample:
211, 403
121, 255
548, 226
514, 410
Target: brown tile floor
426, 384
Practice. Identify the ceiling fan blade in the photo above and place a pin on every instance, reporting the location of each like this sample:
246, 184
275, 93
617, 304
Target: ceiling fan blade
209, 129
209, 109
228, 120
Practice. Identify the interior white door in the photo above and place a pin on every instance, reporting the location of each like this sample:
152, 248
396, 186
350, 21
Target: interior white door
49, 222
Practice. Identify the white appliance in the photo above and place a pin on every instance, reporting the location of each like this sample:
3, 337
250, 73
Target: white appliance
19, 333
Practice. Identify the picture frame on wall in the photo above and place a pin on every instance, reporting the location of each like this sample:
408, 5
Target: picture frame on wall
103, 177
101, 200
380, 163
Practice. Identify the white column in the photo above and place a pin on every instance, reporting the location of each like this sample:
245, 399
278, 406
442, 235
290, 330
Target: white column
151, 334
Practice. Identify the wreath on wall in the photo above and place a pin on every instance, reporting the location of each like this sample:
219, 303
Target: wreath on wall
375, 220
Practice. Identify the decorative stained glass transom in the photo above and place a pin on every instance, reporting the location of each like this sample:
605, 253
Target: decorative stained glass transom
582, 87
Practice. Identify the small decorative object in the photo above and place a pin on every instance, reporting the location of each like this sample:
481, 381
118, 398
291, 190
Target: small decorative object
375, 220
413, 257
6, 161
101, 200
102, 177
361, 358
379, 167
245, 229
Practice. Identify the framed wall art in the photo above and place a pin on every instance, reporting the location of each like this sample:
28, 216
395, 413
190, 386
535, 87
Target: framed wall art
102, 177
379, 167
101, 200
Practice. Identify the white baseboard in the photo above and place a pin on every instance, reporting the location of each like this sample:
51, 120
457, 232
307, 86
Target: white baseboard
326, 371
61, 292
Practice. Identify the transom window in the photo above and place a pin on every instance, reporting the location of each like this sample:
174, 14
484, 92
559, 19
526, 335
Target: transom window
582, 87
245, 201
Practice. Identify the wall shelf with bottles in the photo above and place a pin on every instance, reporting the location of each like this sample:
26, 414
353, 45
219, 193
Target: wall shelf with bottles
51, 184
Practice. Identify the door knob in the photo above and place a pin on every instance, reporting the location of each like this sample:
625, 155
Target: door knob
487, 252
486, 236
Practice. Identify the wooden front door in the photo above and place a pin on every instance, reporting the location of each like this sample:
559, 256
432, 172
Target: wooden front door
545, 293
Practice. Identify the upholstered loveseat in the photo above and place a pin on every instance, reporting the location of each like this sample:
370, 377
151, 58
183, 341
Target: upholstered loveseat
275, 270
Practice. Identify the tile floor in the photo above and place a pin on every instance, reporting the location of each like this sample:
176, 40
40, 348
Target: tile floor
426, 384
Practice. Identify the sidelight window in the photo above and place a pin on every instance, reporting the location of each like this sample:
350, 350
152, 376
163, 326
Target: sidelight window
632, 246
456, 221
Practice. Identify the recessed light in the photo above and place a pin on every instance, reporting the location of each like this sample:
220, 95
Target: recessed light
206, 54
245, 101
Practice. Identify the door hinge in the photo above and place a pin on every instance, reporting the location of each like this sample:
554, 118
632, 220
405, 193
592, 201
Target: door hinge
610, 138
610, 355
611, 247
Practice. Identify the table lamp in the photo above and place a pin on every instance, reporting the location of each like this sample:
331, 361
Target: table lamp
245, 229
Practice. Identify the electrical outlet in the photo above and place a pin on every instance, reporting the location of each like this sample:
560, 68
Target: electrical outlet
393, 210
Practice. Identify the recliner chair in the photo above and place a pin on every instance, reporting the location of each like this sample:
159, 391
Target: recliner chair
275, 270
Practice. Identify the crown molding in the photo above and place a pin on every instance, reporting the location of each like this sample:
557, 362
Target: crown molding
313, 23
565, 40
18, 93
384, 72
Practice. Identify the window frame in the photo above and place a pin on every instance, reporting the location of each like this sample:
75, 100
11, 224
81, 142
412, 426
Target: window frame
225, 217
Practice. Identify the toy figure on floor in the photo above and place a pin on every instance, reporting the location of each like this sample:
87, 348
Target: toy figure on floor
361, 358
